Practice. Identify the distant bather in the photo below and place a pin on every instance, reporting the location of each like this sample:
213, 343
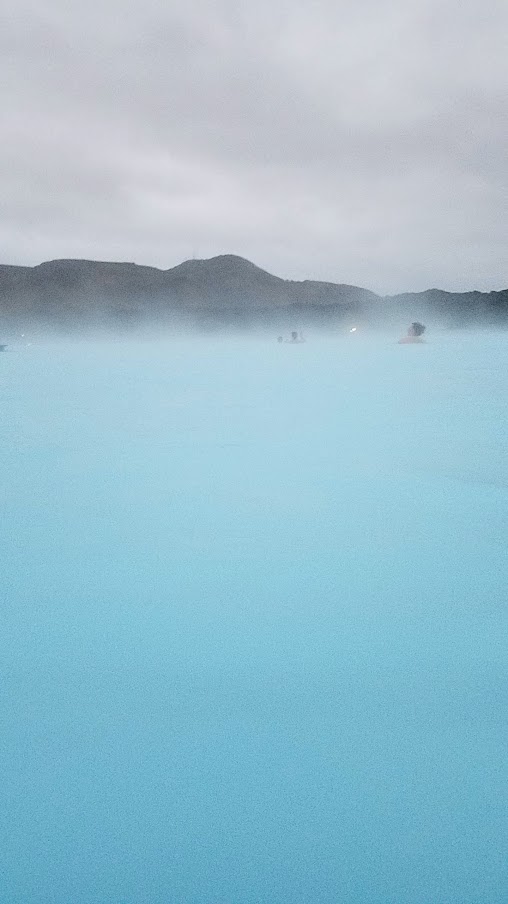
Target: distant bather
414, 334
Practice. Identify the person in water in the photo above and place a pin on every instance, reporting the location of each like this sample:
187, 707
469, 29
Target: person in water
416, 329
294, 338
414, 334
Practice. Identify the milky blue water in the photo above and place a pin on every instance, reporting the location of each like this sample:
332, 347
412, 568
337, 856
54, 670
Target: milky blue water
253, 623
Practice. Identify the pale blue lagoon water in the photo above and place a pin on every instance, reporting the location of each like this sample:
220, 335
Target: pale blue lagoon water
253, 623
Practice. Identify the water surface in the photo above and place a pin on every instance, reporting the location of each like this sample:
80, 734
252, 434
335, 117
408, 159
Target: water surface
253, 638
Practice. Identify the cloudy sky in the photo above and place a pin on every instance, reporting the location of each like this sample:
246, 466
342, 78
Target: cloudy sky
361, 141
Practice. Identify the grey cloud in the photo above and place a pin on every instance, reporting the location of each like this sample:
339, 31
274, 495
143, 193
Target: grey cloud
362, 143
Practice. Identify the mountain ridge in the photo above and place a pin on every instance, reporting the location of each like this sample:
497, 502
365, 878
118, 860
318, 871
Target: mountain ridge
72, 294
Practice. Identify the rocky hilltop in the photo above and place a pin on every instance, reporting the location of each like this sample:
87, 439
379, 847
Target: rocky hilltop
225, 291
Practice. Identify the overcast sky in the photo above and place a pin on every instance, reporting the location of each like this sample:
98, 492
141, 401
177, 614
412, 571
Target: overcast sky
360, 142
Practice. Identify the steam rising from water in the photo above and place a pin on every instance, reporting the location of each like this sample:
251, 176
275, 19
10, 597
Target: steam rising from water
254, 620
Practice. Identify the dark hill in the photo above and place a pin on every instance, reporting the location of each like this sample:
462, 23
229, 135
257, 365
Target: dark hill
225, 291
456, 309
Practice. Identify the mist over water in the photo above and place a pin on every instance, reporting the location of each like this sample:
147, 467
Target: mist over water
253, 645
